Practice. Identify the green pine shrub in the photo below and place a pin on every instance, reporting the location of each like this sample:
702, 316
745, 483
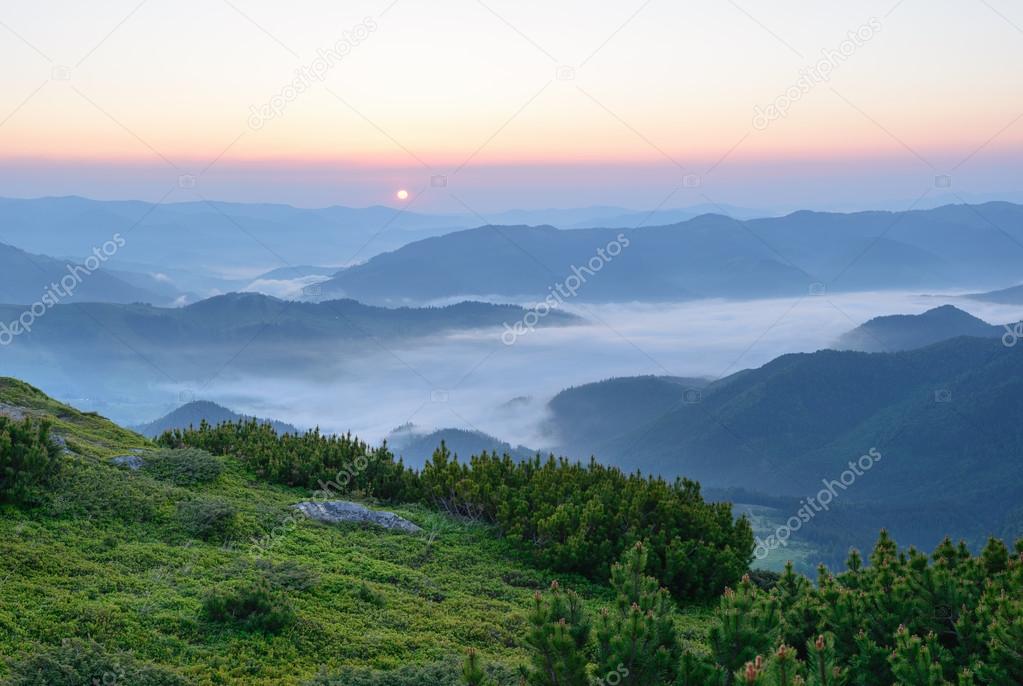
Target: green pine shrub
29, 460
92, 490
185, 467
250, 605
210, 519
907, 619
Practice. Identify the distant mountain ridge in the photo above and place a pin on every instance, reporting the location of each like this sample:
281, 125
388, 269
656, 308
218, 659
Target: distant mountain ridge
703, 257
908, 331
416, 446
193, 242
26, 279
193, 413
236, 316
95, 350
1005, 296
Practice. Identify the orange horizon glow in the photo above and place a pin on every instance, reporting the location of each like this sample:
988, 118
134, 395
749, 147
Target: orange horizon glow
675, 87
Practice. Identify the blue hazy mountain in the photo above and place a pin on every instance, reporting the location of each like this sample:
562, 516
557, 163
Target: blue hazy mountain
415, 445
949, 411
25, 278
297, 272
1004, 296
632, 218
707, 256
583, 419
239, 317
944, 420
907, 331
131, 358
193, 413
216, 238
194, 244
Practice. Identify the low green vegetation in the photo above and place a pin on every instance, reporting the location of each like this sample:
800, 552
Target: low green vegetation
84, 433
78, 662
183, 467
570, 517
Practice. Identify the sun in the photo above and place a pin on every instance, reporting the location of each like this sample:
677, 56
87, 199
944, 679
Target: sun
402, 194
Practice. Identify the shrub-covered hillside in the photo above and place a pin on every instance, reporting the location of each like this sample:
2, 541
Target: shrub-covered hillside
194, 567
570, 517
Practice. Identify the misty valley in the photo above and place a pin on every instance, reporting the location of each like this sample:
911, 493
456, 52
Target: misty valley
495, 343
692, 363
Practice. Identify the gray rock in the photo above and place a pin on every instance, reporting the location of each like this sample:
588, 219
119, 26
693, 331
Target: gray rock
15, 413
130, 461
340, 511
59, 441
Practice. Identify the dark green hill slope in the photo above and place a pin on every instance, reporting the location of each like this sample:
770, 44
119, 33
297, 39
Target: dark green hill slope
944, 413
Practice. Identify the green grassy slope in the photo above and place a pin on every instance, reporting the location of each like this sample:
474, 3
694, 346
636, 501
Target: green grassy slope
85, 433
107, 558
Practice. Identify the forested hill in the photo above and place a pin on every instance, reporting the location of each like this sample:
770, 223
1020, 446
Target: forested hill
26, 278
239, 316
584, 419
946, 410
416, 446
908, 331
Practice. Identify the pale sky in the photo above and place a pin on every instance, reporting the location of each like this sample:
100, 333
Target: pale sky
519, 103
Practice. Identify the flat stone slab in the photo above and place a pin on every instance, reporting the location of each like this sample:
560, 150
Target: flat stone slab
341, 511
129, 461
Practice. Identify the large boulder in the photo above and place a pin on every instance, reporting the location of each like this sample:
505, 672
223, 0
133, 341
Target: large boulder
341, 511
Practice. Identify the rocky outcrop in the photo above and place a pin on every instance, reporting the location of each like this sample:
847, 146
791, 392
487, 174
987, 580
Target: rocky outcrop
340, 511
132, 462
15, 413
